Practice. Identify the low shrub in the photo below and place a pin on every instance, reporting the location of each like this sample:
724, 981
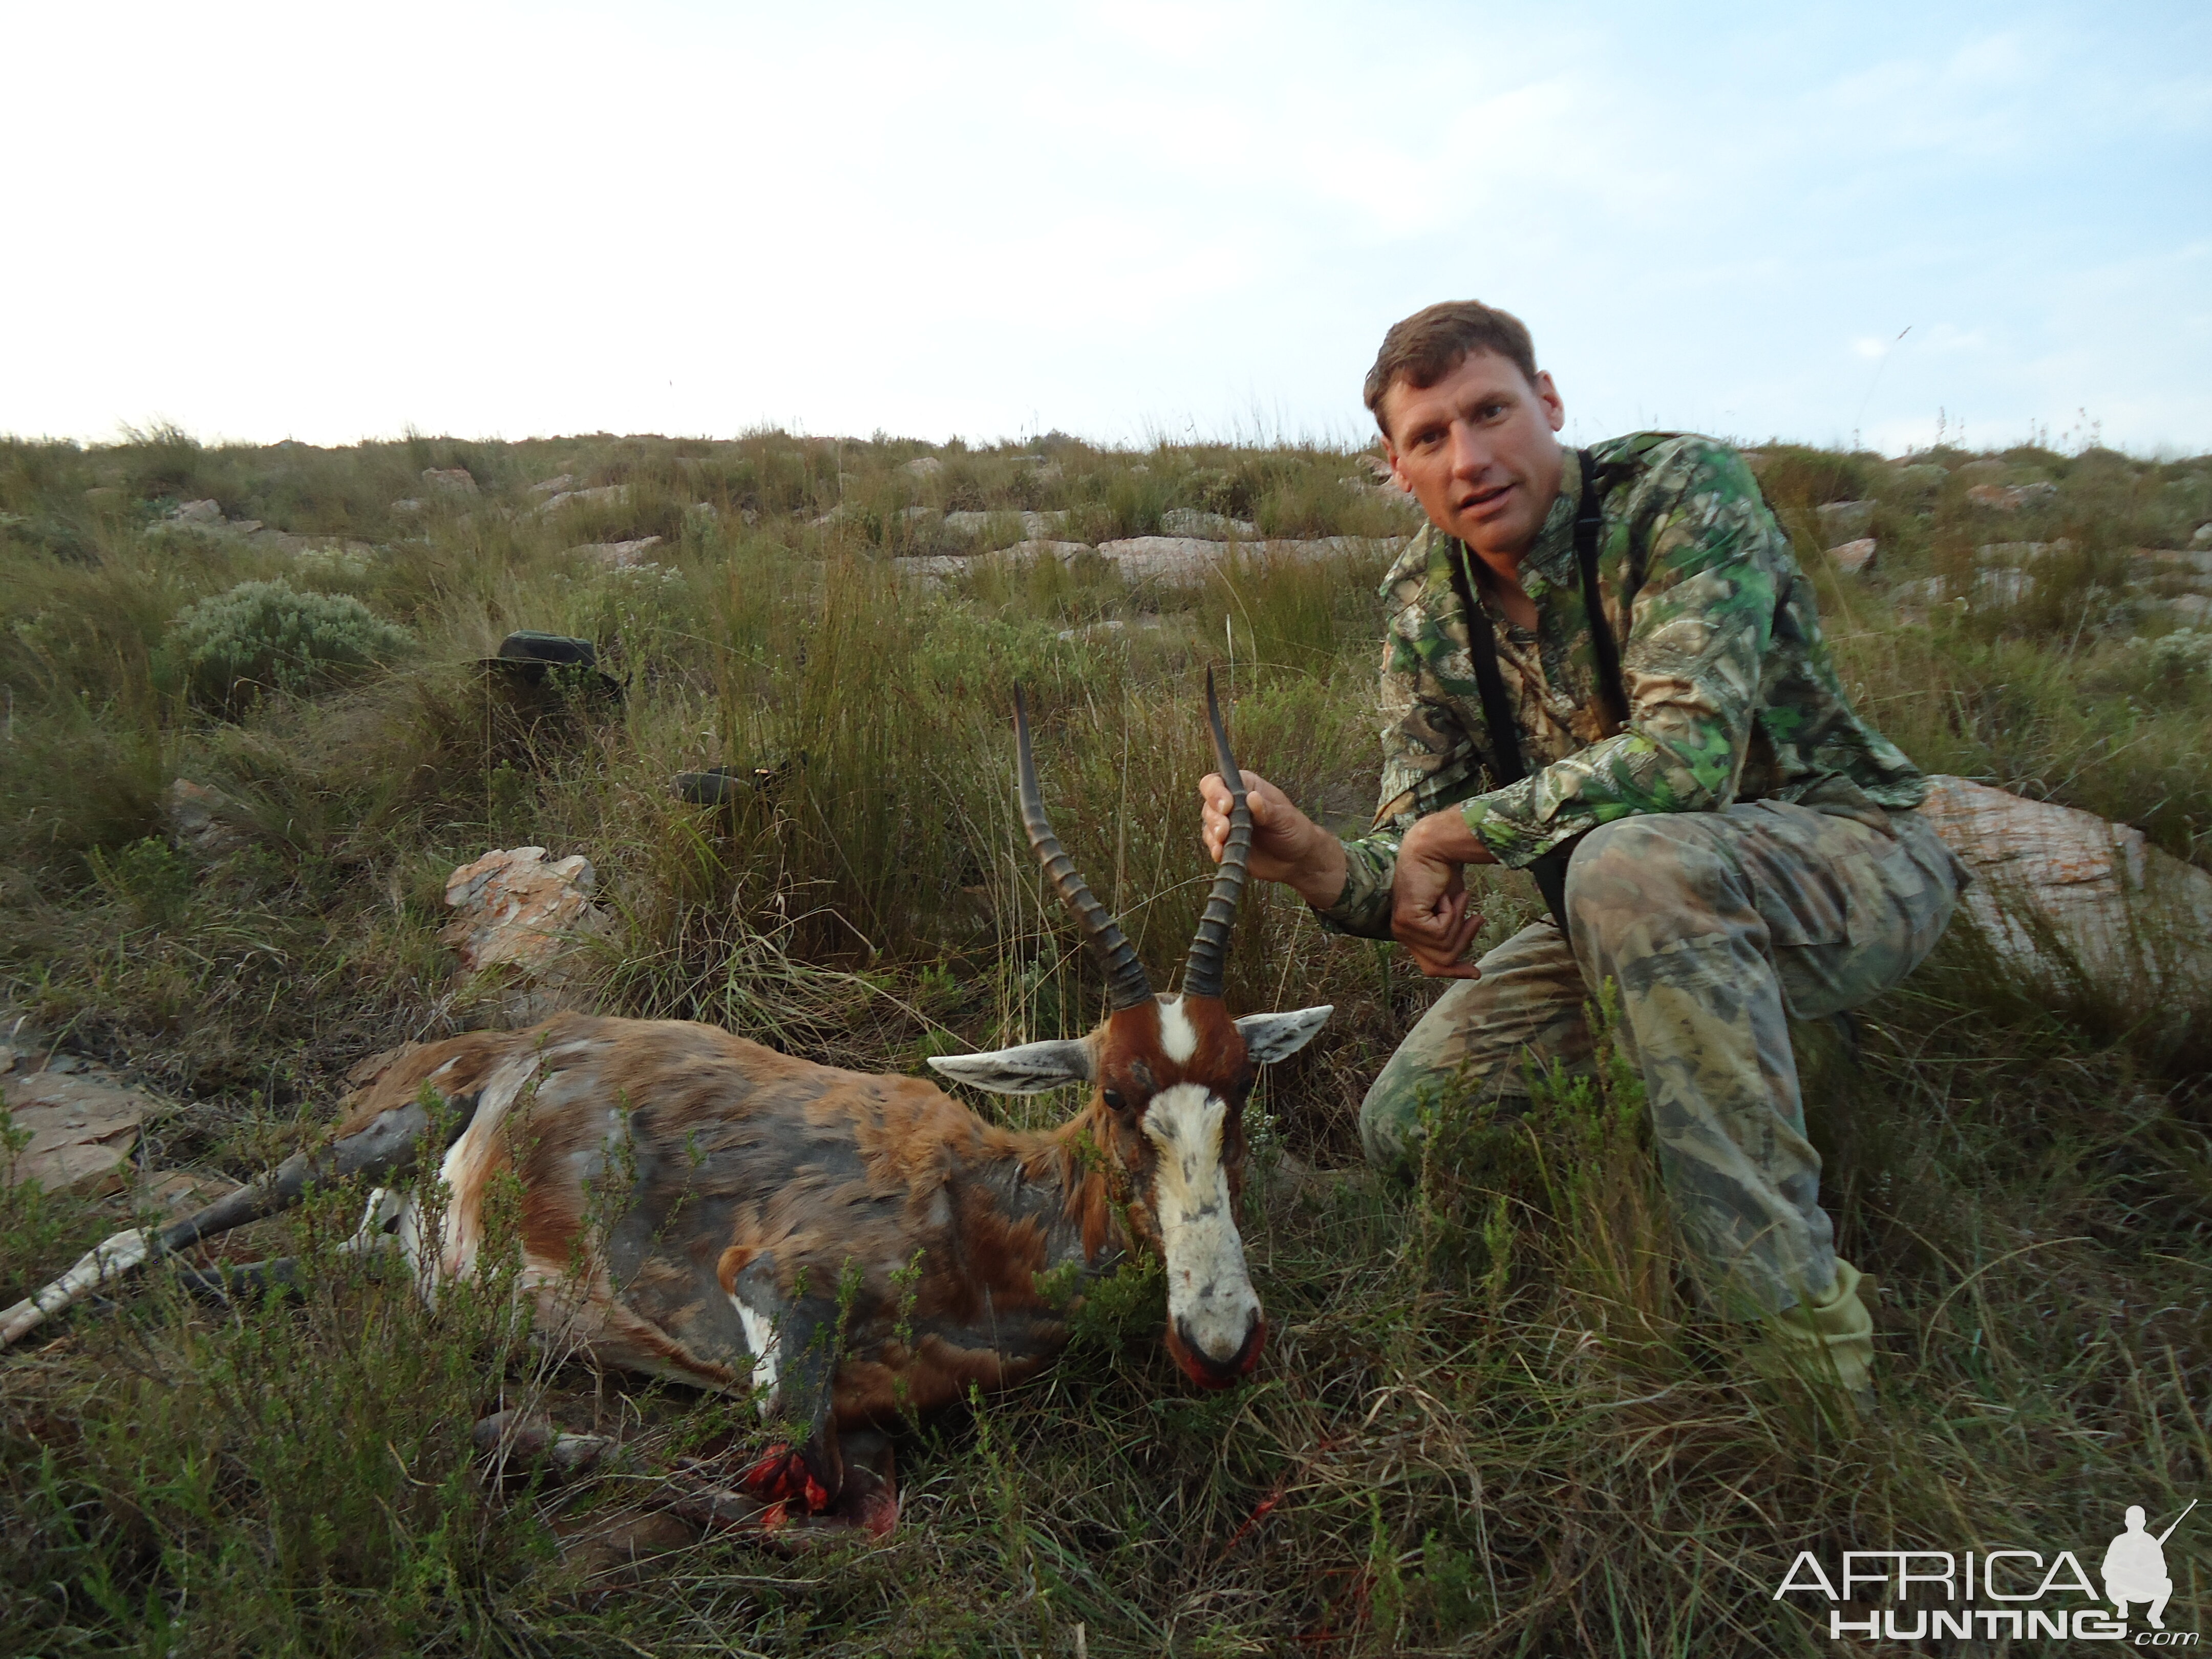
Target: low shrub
261, 636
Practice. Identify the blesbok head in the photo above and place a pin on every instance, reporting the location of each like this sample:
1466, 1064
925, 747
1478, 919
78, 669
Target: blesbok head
1169, 1075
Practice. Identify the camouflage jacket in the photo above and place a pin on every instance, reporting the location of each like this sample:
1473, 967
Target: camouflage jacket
1731, 695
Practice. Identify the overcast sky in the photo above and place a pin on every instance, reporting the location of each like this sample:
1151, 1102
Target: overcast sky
1122, 221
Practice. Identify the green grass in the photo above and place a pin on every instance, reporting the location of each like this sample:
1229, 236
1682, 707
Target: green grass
1491, 1420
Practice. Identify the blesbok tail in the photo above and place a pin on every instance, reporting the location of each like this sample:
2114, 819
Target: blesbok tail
384, 1148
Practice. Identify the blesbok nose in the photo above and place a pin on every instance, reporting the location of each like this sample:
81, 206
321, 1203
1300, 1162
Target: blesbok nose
1221, 1362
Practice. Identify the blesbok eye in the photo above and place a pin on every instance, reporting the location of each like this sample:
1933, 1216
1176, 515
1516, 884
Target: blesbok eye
1117, 1100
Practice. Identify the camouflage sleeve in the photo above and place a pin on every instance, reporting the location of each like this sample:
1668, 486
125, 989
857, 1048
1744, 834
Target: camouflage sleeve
1423, 754
1699, 626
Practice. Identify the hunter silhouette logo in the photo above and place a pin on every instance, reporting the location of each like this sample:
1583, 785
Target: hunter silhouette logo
2135, 1567
1989, 1594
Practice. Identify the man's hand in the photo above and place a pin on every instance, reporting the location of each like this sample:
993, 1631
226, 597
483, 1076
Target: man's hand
1428, 911
1287, 846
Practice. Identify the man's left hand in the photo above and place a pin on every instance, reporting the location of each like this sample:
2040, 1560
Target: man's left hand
1428, 911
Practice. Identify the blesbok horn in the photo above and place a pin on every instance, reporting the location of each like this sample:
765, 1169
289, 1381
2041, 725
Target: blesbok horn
1209, 952
1125, 984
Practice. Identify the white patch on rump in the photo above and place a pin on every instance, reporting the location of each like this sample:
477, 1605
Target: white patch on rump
1210, 1295
767, 1343
1178, 1036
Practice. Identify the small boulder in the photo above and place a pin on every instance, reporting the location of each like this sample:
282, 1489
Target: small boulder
511, 906
84, 1127
455, 480
204, 822
617, 556
610, 494
1854, 558
2010, 498
2202, 538
197, 512
923, 466
554, 486
407, 505
1842, 521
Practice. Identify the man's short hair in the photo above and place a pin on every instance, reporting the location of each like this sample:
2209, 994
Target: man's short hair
1429, 344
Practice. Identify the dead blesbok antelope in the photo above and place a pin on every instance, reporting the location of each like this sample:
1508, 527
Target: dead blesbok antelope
847, 1248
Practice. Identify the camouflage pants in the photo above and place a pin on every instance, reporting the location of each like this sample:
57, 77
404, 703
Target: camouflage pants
1715, 927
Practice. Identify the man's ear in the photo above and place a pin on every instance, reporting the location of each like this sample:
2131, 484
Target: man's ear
1029, 1069
1277, 1037
1547, 394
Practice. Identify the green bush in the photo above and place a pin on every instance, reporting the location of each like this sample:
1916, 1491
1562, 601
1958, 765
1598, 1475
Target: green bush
262, 636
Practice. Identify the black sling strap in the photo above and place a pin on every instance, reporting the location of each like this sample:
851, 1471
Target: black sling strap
1506, 765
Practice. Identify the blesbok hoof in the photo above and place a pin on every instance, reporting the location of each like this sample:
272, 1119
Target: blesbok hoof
517, 1439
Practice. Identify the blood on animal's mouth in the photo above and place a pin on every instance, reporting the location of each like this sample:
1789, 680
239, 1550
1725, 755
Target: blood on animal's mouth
1216, 1375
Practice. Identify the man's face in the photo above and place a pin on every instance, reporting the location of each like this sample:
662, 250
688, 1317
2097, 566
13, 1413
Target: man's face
1477, 450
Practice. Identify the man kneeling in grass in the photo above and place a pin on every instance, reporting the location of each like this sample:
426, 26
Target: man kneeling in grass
1743, 845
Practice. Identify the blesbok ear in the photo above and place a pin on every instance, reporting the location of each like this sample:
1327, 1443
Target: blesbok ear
1029, 1069
1277, 1036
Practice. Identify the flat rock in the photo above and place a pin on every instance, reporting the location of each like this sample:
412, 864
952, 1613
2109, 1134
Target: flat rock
197, 512
2202, 538
511, 906
84, 1127
1181, 558
607, 493
1012, 526
923, 466
1853, 558
554, 486
455, 480
941, 567
2010, 498
617, 556
1843, 521
1209, 526
2058, 891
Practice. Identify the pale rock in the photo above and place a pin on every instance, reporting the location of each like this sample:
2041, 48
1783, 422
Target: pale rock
1853, 558
2058, 891
2010, 498
514, 906
2003, 586
408, 504
610, 494
204, 822
455, 480
2202, 538
1032, 527
2017, 553
1920, 478
615, 555
197, 512
923, 466
1188, 521
83, 1129
554, 486
1843, 521
944, 566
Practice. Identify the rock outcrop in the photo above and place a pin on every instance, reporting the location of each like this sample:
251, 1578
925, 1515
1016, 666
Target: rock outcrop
2062, 895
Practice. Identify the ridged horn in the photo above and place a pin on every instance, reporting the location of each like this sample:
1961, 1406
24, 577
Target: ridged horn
1125, 984
1209, 952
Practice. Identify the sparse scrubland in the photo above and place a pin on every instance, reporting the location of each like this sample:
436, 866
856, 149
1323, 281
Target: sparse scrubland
1491, 1419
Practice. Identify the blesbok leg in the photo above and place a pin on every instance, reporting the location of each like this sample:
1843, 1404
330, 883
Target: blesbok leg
796, 1343
384, 1149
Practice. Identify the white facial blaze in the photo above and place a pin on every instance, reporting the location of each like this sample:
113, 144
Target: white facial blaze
766, 1344
1210, 1296
1178, 1036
